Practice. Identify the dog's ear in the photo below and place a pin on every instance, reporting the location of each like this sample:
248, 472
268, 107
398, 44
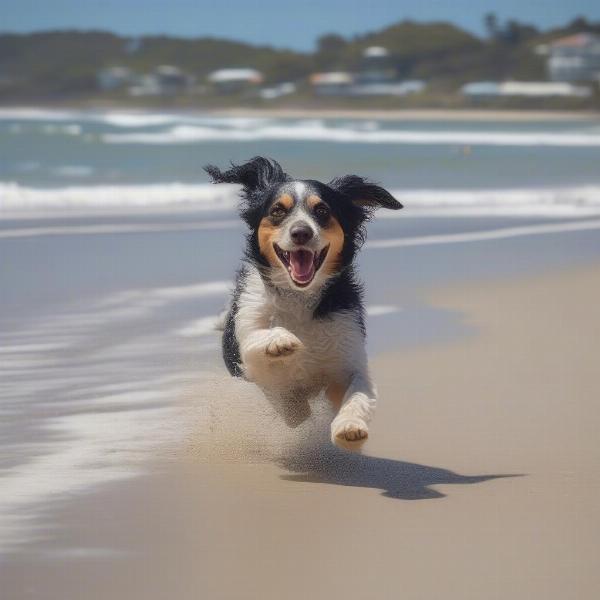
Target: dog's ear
258, 173
364, 193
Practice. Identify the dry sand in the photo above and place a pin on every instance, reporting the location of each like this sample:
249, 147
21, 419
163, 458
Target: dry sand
487, 486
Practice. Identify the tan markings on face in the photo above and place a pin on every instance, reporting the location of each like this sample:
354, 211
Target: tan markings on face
334, 234
285, 200
312, 201
267, 234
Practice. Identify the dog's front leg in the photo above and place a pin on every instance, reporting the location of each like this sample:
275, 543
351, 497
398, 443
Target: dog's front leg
264, 347
260, 344
349, 429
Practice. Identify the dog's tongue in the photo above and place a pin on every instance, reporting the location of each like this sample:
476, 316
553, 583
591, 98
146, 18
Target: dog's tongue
302, 265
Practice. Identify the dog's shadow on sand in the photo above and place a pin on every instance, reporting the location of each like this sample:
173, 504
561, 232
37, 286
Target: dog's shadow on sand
397, 479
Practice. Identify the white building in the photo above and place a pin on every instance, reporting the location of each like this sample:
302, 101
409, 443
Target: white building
573, 58
165, 80
234, 80
171, 79
277, 91
335, 83
376, 66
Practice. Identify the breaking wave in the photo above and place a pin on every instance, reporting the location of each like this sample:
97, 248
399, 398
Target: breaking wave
189, 128
203, 196
577, 201
321, 131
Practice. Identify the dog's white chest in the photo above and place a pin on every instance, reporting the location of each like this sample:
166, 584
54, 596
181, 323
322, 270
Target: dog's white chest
330, 348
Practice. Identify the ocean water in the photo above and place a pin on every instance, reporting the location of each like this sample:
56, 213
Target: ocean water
123, 160
117, 255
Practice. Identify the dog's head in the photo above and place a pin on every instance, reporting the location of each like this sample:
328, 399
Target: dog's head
302, 232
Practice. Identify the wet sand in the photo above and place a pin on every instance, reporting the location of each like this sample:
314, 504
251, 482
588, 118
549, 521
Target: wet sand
480, 480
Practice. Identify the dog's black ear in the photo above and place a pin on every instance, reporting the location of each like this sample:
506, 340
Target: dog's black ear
258, 173
364, 193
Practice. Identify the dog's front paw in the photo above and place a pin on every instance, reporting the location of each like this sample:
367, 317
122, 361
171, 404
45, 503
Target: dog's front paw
282, 343
349, 433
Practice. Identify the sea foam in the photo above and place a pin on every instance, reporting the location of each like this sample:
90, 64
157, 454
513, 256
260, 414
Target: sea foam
16, 199
348, 132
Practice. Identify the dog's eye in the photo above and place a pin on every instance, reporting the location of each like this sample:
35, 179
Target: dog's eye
321, 211
278, 211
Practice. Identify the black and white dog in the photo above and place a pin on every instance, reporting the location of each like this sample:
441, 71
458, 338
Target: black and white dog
295, 326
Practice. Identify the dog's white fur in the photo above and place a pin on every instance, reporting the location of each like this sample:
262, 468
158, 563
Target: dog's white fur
292, 356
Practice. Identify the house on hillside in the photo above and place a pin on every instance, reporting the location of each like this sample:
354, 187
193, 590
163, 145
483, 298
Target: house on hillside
164, 80
376, 66
277, 91
573, 58
171, 79
113, 78
376, 76
335, 83
229, 81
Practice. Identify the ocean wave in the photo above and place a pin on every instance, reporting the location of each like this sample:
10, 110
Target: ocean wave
142, 120
38, 114
321, 131
126, 119
188, 128
15, 197
576, 201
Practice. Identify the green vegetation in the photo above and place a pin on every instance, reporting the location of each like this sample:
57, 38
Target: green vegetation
61, 66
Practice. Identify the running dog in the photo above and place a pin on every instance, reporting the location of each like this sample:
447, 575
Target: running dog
295, 325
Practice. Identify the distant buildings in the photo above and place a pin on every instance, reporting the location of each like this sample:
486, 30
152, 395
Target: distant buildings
172, 80
164, 80
375, 77
376, 66
277, 91
145, 85
335, 83
340, 83
573, 58
571, 61
482, 90
227, 81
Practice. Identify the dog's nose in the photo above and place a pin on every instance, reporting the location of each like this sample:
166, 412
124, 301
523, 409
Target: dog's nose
301, 233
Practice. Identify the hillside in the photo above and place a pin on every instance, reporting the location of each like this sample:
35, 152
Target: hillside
63, 65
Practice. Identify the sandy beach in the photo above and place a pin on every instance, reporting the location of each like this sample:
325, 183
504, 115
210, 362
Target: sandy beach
480, 480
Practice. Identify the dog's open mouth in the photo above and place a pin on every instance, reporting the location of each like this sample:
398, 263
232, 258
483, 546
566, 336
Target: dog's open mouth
302, 264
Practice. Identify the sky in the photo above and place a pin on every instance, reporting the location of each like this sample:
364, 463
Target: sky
296, 24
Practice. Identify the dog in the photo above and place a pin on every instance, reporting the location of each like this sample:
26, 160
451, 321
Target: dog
295, 325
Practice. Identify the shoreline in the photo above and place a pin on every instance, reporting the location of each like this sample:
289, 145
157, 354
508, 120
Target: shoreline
410, 114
